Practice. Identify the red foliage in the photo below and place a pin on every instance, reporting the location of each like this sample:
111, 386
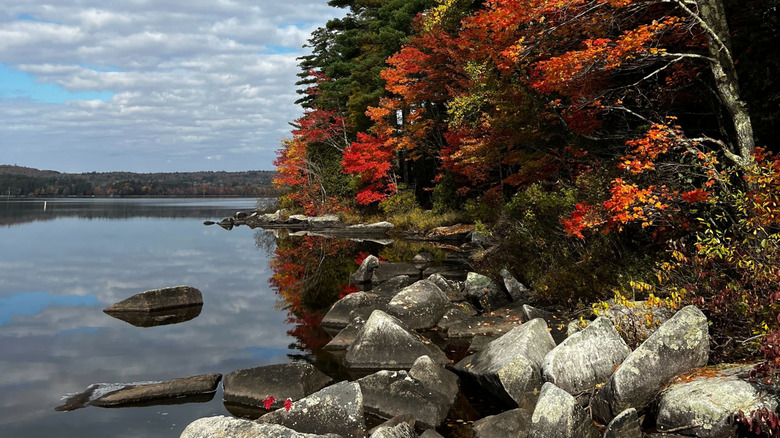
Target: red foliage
371, 158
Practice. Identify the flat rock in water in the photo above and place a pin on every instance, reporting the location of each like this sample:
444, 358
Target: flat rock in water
709, 400
513, 423
510, 366
337, 409
420, 305
159, 299
231, 427
293, 380
559, 415
495, 323
679, 345
339, 314
147, 393
158, 317
586, 358
483, 292
386, 343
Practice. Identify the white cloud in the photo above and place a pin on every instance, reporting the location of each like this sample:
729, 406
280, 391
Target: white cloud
212, 78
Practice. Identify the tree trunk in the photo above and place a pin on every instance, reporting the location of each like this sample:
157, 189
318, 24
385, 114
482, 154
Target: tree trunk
727, 84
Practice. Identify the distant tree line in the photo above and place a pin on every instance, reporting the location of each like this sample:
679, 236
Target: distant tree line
17, 181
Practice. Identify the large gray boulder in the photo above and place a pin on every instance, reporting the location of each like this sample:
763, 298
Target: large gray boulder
586, 358
452, 289
679, 345
343, 339
387, 394
707, 402
386, 343
636, 320
281, 381
401, 430
513, 423
339, 315
419, 306
625, 425
231, 427
517, 291
337, 409
435, 377
366, 270
392, 286
510, 366
483, 292
558, 415
200, 388
159, 299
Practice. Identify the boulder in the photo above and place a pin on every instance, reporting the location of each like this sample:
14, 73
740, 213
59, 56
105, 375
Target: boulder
337, 409
510, 366
452, 289
386, 343
376, 227
346, 336
158, 299
708, 401
422, 260
386, 271
483, 292
636, 320
586, 358
392, 286
625, 425
158, 317
402, 430
195, 388
395, 421
387, 394
419, 306
456, 312
339, 314
679, 345
452, 273
480, 342
558, 415
231, 427
328, 220
558, 325
513, 423
495, 323
431, 433
281, 381
434, 377
366, 270
517, 291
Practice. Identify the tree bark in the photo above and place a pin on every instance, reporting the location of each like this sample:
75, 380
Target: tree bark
713, 20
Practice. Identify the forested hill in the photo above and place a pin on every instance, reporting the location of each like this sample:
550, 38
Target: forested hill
26, 181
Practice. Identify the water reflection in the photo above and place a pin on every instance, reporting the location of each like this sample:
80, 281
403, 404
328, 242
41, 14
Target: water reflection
157, 318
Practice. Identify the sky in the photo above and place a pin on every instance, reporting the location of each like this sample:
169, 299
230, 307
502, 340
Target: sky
150, 85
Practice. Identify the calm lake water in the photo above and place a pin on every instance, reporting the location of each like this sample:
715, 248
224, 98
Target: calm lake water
64, 261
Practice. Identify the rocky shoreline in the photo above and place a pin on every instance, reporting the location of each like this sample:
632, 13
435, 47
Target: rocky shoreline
634, 370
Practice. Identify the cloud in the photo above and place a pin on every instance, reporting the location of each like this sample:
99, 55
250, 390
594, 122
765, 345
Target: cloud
152, 85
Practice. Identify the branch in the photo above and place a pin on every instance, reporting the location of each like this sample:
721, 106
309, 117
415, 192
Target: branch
690, 55
683, 5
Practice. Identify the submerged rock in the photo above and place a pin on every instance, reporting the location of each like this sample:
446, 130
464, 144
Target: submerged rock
231, 427
386, 343
337, 409
159, 317
158, 299
115, 395
281, 381
679, 345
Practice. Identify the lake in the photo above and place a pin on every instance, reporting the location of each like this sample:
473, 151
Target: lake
64, 260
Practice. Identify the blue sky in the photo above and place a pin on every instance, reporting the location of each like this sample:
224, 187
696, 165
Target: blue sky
150, 86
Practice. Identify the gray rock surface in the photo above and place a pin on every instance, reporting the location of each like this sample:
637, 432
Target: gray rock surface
708, 401
386, 271
293, 380
337, 409
679, 345
386, 343
430, 433
159, 299
460, 326
434, 377
483, 292
366, 270
513, 423
452, 289
401, 430
343, 339
420, 305
422, 260
586, 358
631, 320
510, 366
558, 325
339, 315
517, 291
558, 415
387, 394
393, 285
625, 425
231, 427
